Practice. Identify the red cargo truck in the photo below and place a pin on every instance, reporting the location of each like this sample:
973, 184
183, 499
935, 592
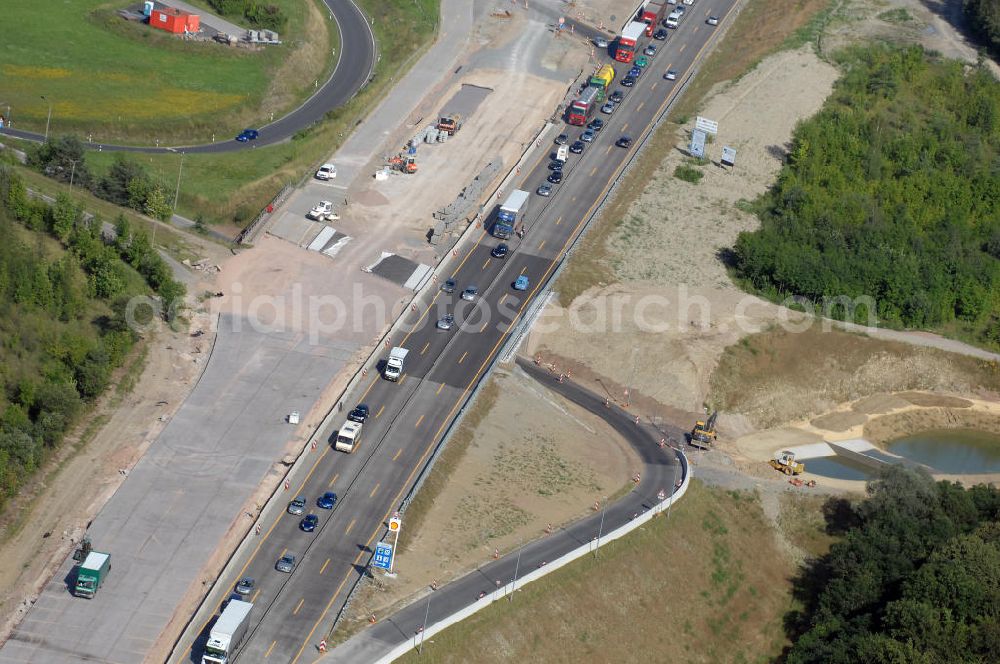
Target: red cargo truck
581, 109
651, 14
625, 46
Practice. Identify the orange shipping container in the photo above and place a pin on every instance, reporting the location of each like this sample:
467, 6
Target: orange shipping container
174, 20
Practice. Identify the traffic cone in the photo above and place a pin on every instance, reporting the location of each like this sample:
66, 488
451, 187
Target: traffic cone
322, 645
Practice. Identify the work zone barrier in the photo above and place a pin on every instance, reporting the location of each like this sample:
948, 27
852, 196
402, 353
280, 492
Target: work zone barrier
484, 601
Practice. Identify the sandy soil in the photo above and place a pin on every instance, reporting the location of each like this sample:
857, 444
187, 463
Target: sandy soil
82, 478
606, 14
679, 306
525, 468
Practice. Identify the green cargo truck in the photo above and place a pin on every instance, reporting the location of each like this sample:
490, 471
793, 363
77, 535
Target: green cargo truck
91, 574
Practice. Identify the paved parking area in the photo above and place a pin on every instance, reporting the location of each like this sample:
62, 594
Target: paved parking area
169, 516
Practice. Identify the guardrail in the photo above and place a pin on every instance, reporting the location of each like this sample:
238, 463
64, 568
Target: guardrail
536, 574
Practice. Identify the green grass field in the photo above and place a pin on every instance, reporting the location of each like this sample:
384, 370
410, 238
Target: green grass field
125, 81
218, 186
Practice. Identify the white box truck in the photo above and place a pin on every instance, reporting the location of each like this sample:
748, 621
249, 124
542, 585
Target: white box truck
228, 632
394, 365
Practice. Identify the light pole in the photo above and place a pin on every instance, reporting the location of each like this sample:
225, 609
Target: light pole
49, 119
177, 192
517, 564
71, 174
423, 627
600, 529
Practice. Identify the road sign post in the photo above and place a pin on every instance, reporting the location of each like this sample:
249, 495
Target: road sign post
383, 556
395, 525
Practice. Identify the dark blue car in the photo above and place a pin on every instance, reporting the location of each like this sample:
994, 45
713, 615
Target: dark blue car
248, 135
327, 500
359, 414
309, 523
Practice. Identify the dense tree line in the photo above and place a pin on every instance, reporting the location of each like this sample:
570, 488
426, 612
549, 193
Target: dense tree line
915, 579
984, 20
63, 320
126, 183
892, 191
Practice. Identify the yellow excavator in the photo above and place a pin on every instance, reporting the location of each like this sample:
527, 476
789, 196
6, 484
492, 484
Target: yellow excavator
785, 462
703, 433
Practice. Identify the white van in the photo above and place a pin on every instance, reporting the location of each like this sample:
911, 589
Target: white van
673, 20
349, 437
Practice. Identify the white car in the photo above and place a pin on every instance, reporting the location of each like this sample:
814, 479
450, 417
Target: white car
326, 172
601, 42
322, 211
713, 20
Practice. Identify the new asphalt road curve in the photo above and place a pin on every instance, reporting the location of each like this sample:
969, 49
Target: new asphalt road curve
292, 612
662, 469
354, 68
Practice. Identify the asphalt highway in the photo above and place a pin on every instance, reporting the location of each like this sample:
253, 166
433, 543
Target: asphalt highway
354, 68
662, 470
293, 612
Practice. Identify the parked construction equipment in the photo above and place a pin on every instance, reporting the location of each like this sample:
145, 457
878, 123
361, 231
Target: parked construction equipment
703, 433
786, 463
450, 123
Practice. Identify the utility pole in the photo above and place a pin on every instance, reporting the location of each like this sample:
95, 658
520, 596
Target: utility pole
49, 119
423, 627
71, 174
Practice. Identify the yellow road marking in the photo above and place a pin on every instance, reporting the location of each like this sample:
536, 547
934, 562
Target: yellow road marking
652, 87
639, 107
524, 269
681, 49
283, 552
323, 568
624, 126
350, 526
468, 387
426, 346
268, 653
485, 263
380, 409
375, 490
441, 387
398, 452
333, 480
483, 328
461, 359
592, 172
542, 244
402, 378
298, 606
559, 220
254, 598
610, 148
419, 420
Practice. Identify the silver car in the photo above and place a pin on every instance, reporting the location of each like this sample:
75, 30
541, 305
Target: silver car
285, 564
297, 506
470, 293
446, 322
245, 586
608, 108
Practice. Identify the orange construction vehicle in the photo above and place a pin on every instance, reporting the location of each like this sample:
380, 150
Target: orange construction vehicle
450, 123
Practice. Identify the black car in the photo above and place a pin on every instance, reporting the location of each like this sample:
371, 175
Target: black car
624, 142
359, 414
500, 251
616, 96
628, 81
556, 166
562, 139
555, 177
577, 147
660, 35
596, 124
448, 286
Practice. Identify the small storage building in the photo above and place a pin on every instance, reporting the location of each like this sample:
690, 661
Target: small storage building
173, 20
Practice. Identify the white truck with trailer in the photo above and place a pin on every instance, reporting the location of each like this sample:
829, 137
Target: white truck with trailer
228, 633
394, 365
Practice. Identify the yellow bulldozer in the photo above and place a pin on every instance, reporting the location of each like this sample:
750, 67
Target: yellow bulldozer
785, 462
703, 434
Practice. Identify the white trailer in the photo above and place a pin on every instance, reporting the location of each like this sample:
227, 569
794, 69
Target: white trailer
228, 632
